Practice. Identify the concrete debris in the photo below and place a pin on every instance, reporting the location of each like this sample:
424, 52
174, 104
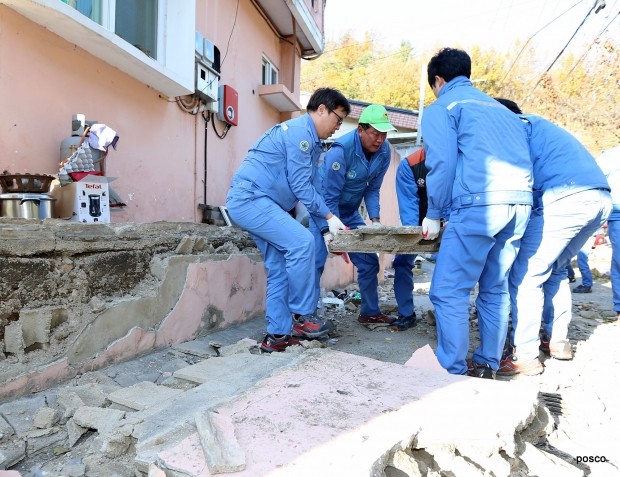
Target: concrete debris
384, 239
219, 444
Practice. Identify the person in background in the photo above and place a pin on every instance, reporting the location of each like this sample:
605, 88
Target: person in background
609, 162
572, 201
480, 175
353, 170
584, 267
412, 205
278, 172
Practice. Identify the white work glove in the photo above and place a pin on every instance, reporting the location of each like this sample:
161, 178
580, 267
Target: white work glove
335, 224
376, 224
430, 228
328, 237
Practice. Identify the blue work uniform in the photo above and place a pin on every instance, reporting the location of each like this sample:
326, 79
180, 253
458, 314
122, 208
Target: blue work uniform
609, 162
571, 201
480, 171
412, 205
347, 177
277, 173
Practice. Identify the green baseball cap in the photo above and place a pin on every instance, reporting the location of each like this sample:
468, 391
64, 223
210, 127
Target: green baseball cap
377, 117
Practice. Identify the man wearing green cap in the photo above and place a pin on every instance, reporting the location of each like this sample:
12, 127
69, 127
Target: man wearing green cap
353, 171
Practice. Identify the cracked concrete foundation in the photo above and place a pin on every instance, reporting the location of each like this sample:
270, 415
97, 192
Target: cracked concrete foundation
77, 297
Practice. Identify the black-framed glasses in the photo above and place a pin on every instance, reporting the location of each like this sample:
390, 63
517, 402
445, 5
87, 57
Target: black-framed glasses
340, 118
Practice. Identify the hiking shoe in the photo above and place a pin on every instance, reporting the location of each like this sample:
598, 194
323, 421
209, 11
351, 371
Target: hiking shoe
310, 326
271, 343
479, 370
582, 289
378, 319
561, 350
404, 323
544, 342
510, 365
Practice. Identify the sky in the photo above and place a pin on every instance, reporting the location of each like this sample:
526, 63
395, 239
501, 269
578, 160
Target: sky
430, 24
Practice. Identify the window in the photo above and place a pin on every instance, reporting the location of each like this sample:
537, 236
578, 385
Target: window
135, 21
150, 40
271, 75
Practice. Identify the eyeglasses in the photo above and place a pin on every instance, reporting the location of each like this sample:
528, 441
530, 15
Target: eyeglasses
340, 118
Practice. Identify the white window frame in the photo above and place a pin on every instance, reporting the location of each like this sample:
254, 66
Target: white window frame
172, 73
269, 69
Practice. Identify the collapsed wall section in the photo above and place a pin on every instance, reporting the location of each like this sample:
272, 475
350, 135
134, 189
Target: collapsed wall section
75, 297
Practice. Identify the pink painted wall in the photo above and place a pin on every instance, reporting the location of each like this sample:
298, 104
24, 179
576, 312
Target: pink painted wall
159, 163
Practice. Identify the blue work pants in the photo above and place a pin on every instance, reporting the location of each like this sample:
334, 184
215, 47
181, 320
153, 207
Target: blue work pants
538, 281
403, 284
613, 230
584, 267
288, 251
478, 245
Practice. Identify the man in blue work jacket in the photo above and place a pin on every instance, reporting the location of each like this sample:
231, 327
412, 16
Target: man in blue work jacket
609, 162
277, 173
571, 202
480, 170
353, 171
412, 205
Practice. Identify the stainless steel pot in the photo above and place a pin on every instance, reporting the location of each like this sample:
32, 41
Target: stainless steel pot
27, 206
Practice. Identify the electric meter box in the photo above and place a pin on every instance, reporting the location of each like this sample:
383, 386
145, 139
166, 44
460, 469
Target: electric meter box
228, 105
207, 72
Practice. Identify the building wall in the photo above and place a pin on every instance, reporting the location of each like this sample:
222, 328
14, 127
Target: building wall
159, 164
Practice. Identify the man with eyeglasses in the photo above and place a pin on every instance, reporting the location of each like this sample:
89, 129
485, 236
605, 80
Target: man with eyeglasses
353, 170
277, 173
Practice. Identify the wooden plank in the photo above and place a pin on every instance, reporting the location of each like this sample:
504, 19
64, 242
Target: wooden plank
385, 239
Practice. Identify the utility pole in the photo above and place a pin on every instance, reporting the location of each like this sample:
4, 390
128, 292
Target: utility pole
418, 141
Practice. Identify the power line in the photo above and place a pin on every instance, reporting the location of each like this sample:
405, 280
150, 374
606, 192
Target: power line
598, 5
595, 41
531, 37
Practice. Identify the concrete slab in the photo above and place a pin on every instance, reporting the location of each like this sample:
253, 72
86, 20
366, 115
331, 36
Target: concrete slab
225, 379
384, 239
196, 348
335, 414
241, 366
143, 395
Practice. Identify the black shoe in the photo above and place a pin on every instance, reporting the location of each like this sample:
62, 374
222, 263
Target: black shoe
572, 279
479, 370
582, 289
404, 323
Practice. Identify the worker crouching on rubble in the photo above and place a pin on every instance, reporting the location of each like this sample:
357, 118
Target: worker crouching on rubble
277, 172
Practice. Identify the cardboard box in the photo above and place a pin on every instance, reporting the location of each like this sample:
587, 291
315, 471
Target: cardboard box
87, 200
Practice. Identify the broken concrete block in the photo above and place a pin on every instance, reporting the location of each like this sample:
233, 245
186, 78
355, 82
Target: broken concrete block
74, 432
12, 454
45, 418
113, 442
221, 449
36, 326
384, 239
96, 417
143, 395
6, 430
69, 401
241, 346
14, 339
